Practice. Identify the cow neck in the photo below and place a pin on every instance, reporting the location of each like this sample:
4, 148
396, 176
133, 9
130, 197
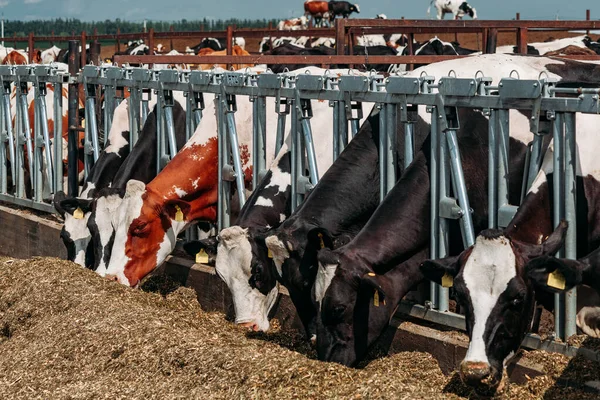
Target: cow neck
400, 225
191, 176
533, 221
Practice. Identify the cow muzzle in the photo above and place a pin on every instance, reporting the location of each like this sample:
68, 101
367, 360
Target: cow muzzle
252, 326
479, 375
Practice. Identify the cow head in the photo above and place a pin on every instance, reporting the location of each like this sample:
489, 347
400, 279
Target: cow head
75, 233
146, 228
242, 263
467, 9
492, 285
294, 252
355, 8
100, 225
354, 306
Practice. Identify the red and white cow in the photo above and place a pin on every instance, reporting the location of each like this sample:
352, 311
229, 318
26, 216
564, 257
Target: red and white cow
318, 10
50, 55
293, 24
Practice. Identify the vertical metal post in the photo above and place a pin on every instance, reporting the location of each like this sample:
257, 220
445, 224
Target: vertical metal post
409, 143
535, 160
7, 122
383, 141
224, 186
503, 158
58, 138
570, 154
342, 126
259, 118
134, 112
492, 170
310, 152
558, 212
281, 116
38, 162
45, 136
434, 200
73, 145
237, 163
460, 188
443, 193
391, 159
294, 155
169, 124
336, 131
20, 156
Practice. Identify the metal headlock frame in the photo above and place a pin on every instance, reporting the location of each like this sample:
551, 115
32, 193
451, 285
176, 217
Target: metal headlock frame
46, 167
392, 96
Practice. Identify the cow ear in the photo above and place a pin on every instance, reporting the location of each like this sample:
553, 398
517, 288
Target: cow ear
177, 210
434, 270
320, 238
134, 187
566, 274
550, 246
374, 283
59, 197
209, 245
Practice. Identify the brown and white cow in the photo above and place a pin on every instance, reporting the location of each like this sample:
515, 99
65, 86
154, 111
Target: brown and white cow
235, 51
293, 24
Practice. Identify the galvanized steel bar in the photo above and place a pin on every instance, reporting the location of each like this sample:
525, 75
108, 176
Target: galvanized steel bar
7, 125
570, 154
58, 138
503, 157
235, 153
443, 194
434, 200
37, 155
47, 144
310, 151
25, 125
535, 160
259, 118
294, 156
73, 172
460, 188
558, 212
492, 170
391, 158
409, 143
4, 160
383, 154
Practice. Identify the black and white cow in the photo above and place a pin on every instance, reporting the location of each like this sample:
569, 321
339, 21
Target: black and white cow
342, 8
139, 165
76, 211
331, 216
241, 255
458, 8
293, 49
240, 251
490, 279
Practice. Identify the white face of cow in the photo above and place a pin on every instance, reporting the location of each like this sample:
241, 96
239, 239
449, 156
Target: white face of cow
129, 209
486, 274
234, 266
105, 209
79, 234
325, 275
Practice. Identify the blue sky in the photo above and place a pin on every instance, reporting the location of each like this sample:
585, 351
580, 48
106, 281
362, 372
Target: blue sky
137, 10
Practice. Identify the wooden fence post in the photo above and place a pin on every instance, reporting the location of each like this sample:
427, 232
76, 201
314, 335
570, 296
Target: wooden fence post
83, 50
30, 44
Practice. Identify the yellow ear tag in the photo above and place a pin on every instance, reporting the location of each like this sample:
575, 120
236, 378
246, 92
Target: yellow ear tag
269, 253
376, 299
447, 280
178, 214
78, 214
556, 280
202, 257
320, 235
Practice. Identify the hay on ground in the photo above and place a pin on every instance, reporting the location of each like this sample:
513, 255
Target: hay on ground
67, 333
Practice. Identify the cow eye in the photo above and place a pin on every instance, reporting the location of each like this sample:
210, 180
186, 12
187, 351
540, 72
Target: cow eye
516, 302
140, 228
338, 311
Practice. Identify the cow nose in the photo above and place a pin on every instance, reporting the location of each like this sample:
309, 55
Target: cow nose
112, 278
252, 326
474, 372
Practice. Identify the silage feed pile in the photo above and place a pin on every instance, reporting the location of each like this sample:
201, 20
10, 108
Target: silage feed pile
67, 333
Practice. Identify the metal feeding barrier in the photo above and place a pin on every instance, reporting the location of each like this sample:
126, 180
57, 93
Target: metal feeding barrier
396, 99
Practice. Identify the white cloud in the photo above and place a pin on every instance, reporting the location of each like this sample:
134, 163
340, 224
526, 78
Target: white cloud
32, 1
4, 3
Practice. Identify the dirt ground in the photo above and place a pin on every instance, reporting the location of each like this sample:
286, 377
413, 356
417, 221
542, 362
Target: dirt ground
66, 333
467, 40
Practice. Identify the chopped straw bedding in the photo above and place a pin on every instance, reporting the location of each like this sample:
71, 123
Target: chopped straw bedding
67, 333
